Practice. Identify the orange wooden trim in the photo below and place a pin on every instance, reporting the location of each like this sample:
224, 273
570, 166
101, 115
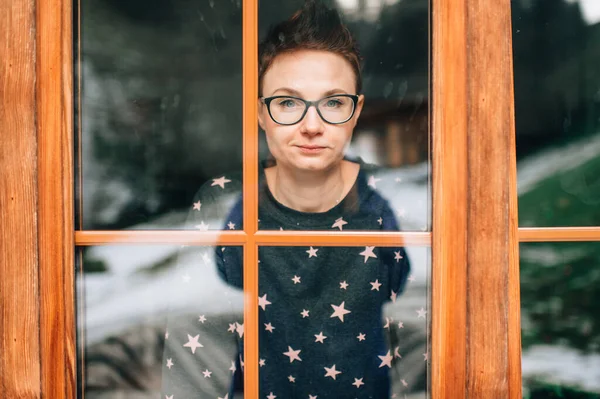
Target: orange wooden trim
88, 238
514, 274
491, 239
555, 234
343, 239
19, 280
449, 229
55, 203
261, 238
250, 193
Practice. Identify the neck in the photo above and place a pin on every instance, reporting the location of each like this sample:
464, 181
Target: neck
307, 191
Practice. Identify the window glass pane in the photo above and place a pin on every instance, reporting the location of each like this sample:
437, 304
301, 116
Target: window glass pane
560, 316
382, 134
343, 322
154, 319
160, 109
557, 99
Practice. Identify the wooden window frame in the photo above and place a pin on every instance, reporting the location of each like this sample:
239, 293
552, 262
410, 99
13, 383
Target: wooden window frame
475, 335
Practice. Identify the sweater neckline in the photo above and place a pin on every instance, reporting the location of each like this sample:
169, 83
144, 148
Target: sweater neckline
298, 220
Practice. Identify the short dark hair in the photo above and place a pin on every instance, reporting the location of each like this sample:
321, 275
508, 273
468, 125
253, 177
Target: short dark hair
313, 27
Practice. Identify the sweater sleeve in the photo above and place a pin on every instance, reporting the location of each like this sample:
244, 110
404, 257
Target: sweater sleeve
205, 316
394, 258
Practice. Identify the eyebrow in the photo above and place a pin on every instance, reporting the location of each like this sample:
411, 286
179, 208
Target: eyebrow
296, 93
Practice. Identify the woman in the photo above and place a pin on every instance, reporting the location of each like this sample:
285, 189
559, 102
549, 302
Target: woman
321, 333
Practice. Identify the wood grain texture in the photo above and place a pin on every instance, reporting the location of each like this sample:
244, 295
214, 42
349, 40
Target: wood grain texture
492, 238
55, 204
449, 229
19, 289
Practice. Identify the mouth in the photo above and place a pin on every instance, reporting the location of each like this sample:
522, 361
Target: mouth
311, 149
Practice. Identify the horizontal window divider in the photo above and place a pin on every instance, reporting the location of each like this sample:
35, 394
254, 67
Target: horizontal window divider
263, 238
342, 238
557, 234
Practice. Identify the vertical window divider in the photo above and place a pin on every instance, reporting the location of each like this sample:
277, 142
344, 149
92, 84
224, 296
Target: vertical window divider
250, 193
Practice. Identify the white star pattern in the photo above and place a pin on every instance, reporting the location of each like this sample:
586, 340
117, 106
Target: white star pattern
421, 313
261, 362
221, 181
291, 378
368, 253
207, 373
193, 343
386, 360
380, 221
296, 280
240, 329
224, 397
312, 397
232, 368
393, 296
202, 226
404, 382
202, 319
339, 223
232, 327
332, 372
197, 205
339, 311
343, 285
387, 323
263, 302
320, 337
400, 324
169, 363
271, 396
426, 356
312, 252
397, 256
358, 382
293, 354
168, 396
361, 337
375, 285
373, 181
269, 327
397, 353
304, 313
231, 225
411, 278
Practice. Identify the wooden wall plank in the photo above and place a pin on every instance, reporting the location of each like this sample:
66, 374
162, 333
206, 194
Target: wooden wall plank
492, 235
19, 311
449, 228
55, 205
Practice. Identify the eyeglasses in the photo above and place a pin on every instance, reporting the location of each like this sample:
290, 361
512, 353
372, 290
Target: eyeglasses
287, 110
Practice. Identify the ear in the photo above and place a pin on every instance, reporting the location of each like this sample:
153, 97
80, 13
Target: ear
262, 110
359, 107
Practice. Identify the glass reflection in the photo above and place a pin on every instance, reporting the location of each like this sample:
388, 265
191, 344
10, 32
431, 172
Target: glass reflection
556, 64
560, 317
154, 316
160, 110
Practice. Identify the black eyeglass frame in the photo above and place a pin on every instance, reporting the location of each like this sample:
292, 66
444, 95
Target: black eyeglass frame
353, 97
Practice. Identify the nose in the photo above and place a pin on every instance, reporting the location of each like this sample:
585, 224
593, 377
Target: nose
312, 123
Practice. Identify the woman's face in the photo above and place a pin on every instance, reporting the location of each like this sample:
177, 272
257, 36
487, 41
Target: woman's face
312, 144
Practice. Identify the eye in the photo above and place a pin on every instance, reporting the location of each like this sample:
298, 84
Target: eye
287, 103
335, 102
